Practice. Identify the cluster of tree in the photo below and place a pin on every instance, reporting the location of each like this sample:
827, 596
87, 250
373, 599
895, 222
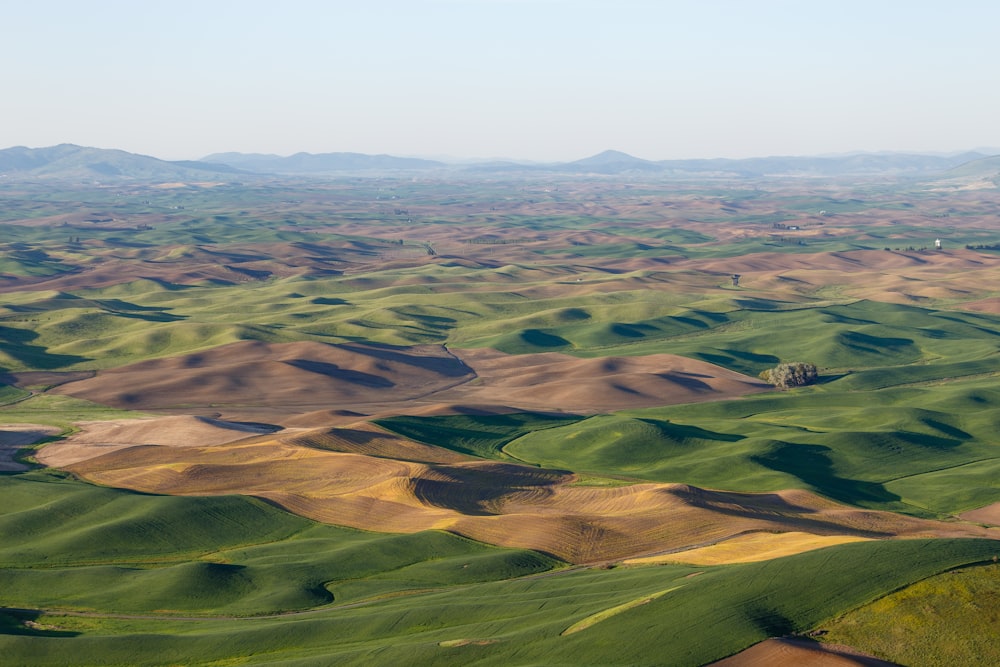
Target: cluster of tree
793, 374
983, 246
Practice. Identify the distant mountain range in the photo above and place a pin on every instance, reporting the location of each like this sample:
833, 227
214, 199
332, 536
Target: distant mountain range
78, 163
320, 163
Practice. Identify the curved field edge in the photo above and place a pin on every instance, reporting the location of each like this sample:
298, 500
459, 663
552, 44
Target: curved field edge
520, 622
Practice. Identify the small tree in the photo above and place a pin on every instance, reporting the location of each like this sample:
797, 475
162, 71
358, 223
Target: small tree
794, 374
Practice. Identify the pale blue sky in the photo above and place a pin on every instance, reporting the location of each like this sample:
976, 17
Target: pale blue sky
529, 79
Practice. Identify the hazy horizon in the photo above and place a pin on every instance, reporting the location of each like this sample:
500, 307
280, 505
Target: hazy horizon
530, 80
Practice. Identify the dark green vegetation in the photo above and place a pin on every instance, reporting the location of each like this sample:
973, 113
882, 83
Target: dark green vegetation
478, 435
904, 417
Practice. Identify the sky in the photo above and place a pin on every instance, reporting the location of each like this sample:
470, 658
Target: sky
545, 80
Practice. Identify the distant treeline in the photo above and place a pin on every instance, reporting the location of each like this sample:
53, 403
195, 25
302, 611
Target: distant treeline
983, 246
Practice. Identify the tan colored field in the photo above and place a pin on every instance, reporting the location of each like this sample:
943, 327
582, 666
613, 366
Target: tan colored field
497, 503
749, 549
365, 379
787, 652
989, 514
101, 437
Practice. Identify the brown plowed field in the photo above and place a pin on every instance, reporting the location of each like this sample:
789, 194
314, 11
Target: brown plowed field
989, 514
497, 503
800, 653
250, 373
553, 381
364, 379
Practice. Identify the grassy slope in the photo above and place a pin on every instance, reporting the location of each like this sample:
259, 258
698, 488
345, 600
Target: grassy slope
73, 545
910, 449
478, 435
521, 621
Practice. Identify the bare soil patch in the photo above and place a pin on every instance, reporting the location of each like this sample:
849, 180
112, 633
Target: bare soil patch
101, 437
252, 373
788, 652
989, 514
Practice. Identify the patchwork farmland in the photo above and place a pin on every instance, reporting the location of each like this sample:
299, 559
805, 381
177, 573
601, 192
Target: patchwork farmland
518, 420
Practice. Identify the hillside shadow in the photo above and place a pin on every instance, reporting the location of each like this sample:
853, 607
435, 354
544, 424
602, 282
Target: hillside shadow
947, 429
686, 382
16, 343
448, 366
539, 338
120, 307
676, 431
856, 340
812, 465
630, 330
345, 374
738, 360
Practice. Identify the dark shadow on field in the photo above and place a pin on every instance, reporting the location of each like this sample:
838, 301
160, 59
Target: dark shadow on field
631, 330
345, 374
447, 366
539, 338
711, 316
148, 313
329, 301
838, 318
759, 304
929, 441
15, 343
690, 321
947, 429
686, 381
771, 622
812, 465
856, 340
480, 491
683, 431
438, 322
738, 360
25, 622
769, 507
